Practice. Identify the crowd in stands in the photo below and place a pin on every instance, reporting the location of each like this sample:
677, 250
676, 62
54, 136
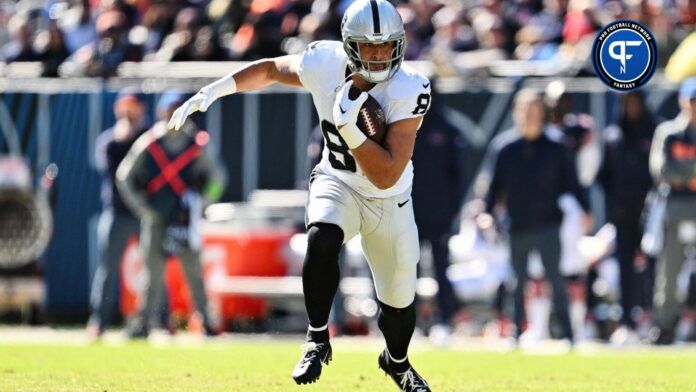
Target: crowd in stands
460, 36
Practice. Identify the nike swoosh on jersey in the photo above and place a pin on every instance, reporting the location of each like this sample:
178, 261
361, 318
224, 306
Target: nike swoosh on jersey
341, 109
402, 204
426, 85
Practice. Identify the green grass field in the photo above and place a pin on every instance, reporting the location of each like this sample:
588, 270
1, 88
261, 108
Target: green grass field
265, 365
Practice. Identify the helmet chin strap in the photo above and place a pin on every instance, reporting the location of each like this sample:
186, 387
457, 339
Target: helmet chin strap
347, 78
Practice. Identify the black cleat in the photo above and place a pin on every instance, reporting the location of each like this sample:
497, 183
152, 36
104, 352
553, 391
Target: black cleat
408, 380
308, 369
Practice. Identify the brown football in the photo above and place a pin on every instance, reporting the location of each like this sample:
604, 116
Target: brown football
371, 120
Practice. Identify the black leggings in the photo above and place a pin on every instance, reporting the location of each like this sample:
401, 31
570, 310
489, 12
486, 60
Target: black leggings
321, 274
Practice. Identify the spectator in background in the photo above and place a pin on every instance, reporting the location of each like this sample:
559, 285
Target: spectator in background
667, 33
169, 199
416, 43
539, 38
330, 17
492, 38
625, 178
453, 35
207, 47
292, 16
467, 40
673, 164
116, 223
317, 24
579, 26
126, 8
180, 44
158, 22
438, 193
687, 12
418, 23
580, 22
228, 15
51, 49
78, 26
113, 47
530, 173
20, 48
259, 37
462, 37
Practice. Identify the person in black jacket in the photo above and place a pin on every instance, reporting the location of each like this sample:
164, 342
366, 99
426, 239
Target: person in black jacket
438, 190
116, 222
530, 172
625, 178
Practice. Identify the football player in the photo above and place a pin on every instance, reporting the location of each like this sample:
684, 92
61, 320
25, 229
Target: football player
359, 186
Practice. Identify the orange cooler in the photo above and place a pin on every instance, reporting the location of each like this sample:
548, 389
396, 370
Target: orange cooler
226, 252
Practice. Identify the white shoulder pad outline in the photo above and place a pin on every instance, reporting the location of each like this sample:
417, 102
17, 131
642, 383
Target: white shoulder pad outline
315, 59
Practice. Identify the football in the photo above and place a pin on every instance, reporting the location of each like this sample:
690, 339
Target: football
371, 120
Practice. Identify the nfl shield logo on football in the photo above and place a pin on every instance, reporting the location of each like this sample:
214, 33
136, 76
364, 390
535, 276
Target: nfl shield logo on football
624, 55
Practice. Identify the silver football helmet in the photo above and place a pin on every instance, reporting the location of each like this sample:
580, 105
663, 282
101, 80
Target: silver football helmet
373, 21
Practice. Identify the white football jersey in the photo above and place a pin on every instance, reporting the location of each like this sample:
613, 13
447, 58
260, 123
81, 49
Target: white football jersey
324, 66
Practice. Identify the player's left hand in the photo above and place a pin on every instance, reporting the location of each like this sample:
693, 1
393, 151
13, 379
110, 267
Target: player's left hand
346, 110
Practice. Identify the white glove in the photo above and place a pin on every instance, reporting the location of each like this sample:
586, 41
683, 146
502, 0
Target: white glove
202, 100
345, 114
189, 107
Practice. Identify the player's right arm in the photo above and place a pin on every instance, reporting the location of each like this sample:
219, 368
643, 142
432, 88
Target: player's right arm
254, 76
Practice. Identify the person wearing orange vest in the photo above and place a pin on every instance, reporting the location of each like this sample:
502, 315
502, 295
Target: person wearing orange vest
673, 165
167, 179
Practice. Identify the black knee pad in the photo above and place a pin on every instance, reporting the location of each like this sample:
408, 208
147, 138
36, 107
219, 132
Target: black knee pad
324, 240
